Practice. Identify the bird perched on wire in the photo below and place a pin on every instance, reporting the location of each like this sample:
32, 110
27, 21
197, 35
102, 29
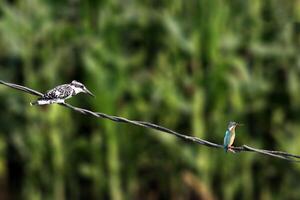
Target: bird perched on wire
62, 92
230, 135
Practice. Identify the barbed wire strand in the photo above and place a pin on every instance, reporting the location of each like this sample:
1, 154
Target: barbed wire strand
243, 148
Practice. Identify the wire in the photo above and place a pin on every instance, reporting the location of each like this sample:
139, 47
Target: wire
243, 148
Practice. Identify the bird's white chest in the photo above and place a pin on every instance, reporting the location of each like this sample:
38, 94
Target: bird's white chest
232, 137
76, 90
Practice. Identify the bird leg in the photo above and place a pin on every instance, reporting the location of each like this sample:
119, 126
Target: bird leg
230, 148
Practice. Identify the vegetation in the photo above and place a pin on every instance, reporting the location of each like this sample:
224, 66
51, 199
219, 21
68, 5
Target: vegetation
191, 66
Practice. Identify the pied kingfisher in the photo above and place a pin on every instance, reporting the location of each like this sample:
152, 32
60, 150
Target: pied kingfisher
62, 92
230, 135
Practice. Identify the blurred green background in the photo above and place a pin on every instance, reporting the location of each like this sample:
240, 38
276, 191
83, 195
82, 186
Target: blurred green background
189, 65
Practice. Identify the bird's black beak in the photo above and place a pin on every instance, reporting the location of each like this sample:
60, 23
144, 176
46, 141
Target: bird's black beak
240, 125
88, 92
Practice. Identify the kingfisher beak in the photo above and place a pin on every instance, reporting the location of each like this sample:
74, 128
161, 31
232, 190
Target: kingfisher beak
88, 92
240, 125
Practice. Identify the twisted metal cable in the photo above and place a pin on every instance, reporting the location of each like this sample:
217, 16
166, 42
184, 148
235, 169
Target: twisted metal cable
243, 148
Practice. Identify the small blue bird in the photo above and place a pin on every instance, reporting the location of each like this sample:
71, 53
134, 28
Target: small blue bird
230, 135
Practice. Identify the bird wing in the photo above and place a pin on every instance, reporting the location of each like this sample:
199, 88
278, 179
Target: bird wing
59, 92
227, 138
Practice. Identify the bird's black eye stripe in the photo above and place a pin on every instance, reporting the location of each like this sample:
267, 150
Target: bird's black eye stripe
78, 85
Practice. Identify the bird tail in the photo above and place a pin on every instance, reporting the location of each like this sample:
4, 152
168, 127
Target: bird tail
34, 103
225, 148
40, 102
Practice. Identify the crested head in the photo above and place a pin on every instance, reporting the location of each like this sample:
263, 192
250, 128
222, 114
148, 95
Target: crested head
77, 84
79, 87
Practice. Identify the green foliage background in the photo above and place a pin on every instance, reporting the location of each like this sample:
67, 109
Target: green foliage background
189, 65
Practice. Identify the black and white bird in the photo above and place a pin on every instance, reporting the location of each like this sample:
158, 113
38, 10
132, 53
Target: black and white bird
62, 92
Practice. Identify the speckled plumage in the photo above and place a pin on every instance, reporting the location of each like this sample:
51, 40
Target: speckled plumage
62, 92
